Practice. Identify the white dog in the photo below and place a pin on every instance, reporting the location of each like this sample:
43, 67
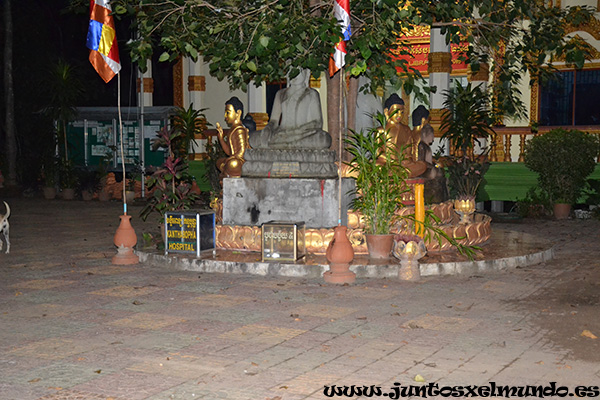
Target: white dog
4, 227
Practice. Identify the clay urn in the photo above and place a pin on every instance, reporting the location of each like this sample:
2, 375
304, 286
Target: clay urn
125, 239
339, 256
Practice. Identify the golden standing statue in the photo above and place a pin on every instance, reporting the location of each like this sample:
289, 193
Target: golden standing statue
401, 135
235, 142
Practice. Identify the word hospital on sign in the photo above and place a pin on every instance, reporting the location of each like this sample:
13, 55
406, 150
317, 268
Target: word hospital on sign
181, 234
182, 246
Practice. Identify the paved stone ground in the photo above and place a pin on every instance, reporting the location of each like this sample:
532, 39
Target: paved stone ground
73, 326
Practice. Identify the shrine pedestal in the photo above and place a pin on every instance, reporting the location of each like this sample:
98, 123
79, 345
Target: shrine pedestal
254, 201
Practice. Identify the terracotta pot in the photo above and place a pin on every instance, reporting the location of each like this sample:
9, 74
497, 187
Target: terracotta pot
49, 193
562, 210
68, 194
86, 195
103, 195
125, 239
339, 255
130, 196
380, 246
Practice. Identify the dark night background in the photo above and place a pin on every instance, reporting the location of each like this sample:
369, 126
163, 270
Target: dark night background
44, 32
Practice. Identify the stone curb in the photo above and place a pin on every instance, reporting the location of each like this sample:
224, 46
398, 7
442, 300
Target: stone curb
362, 271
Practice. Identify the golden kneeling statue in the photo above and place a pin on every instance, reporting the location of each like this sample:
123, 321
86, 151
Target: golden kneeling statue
235, 142
401, 135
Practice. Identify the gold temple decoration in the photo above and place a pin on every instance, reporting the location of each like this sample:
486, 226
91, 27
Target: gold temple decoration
178, 83
439, 62
593, 27
315, 83
482, 75
148, 85
196, 83
261, 119
476, 232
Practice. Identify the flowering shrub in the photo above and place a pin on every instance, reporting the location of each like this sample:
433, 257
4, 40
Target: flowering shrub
170, 184
465, 175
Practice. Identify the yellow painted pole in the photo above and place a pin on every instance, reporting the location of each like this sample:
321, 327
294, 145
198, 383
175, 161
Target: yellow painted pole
419, 209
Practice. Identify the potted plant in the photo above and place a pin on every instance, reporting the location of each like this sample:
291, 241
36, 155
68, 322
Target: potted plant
465, 175
67, 179
188, 123
49, 174
104, 194
563, 159
380, 185
468, 118
133, 177
380, 188
170, 184
467, 121
89, 183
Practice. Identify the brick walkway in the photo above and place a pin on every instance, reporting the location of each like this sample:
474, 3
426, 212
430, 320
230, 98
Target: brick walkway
73, 326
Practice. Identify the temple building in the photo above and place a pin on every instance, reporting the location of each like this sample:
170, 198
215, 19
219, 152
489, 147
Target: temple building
569, 102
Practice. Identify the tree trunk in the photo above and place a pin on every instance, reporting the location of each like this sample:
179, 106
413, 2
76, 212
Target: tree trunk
334, 109
10, 128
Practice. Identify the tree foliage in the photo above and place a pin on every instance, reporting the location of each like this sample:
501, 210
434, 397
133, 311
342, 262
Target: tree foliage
267, 40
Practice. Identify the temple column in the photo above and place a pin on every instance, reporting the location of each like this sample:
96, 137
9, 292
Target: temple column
145, 98
439, 68
480, 79
196, 88
196, 83
257, 104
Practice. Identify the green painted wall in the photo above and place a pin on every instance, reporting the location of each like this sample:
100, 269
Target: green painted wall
511, 181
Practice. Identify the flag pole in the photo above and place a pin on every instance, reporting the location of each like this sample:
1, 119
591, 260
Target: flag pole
121, 137
341, 72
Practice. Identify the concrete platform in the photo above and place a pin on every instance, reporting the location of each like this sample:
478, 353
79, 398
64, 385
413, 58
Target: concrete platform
505, 250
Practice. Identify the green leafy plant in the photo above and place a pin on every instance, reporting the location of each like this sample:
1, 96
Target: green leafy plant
535, 204
50, 170
380, 180
468, 119
68, 178
380, 186
592, 192
88, 180
189, 123
170, 184
465, 175
563, 159
65, 89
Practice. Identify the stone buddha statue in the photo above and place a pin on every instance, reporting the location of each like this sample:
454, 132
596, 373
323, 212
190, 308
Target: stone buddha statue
368, 105
235, 142
435, 181
296, 121
401, 135
421, 127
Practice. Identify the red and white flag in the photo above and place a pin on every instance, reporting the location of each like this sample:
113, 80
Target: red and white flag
341, 10
102, 40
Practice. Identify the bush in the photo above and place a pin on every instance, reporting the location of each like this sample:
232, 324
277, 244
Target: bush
563, 160
535, 204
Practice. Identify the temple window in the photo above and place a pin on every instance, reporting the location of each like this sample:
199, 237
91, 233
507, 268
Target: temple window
571, 99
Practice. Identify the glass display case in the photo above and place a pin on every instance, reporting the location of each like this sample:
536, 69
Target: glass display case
283, 241
190, 232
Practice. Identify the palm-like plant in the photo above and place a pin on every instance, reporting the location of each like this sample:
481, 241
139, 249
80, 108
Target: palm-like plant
380, 180
381, 185
65, 89
188, 123
468, 119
